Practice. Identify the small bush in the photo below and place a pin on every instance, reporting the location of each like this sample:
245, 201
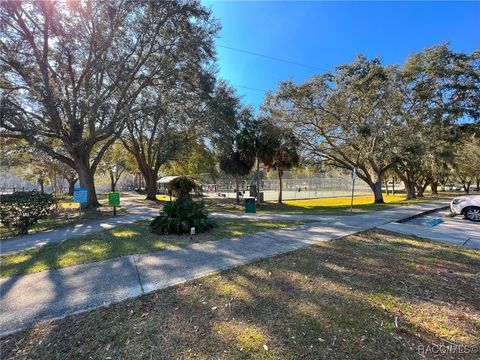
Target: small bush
180, 217
22, 209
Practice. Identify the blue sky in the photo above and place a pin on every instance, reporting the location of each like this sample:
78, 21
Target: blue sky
326, 34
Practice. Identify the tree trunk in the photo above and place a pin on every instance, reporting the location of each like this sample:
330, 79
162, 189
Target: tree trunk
466, 186
280, 190
376, 187
434, 187
86, 178
41, 183
386, 186
135, 181
420, 192
377, 191
112, 181
71, 186
478, 183
151, 185
139, 180
258, 181
421, 188
23, 230
410, 188
237, 190
393, 185
409, 185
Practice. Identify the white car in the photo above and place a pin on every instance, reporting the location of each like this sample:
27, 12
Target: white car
468, 206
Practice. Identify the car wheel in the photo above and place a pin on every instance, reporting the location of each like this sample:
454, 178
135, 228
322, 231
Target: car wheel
472, 213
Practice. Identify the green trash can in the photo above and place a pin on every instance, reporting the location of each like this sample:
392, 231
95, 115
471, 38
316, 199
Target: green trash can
250, 206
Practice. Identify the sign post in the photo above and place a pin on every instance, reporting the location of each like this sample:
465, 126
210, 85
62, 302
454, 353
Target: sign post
80, 195
114, 200
354, 176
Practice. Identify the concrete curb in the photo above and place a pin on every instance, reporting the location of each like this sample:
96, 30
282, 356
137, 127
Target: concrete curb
422, 214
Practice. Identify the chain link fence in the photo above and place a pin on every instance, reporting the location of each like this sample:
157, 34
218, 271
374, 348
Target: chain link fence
318, 186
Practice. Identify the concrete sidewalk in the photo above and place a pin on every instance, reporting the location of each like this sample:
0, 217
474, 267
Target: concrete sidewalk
27, 299
135, 213
275, 216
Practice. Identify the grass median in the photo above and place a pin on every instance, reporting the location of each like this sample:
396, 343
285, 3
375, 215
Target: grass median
373, 295
321, 206
123, 240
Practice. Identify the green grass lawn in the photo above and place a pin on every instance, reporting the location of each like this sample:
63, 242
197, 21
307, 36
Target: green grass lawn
134, 238
41, 225
321, 206
57, 221
374, 295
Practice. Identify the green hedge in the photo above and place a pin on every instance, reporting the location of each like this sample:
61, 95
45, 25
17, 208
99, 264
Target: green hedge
22, 209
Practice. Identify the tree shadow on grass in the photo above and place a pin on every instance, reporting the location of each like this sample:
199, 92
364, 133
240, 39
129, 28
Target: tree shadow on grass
134, 238
128, 239
337, 300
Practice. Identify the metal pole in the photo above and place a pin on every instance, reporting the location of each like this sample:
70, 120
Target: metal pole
353, 188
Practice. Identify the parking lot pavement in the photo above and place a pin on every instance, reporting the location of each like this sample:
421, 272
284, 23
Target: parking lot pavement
454, 230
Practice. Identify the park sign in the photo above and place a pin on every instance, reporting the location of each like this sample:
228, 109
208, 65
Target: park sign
80, 195
114, 199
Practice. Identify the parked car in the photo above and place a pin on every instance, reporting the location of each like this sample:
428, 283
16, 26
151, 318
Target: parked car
468, 206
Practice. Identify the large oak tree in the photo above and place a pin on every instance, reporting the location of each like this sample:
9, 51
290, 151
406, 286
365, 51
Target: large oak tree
73, 71
437, 90
374, 118
343, 118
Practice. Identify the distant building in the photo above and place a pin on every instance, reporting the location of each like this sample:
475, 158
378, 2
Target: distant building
162, 183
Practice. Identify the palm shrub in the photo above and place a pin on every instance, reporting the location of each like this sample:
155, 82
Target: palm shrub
178, 217
22, 209
182, 186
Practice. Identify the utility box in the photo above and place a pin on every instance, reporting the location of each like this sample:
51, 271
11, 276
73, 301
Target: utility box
250, 207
